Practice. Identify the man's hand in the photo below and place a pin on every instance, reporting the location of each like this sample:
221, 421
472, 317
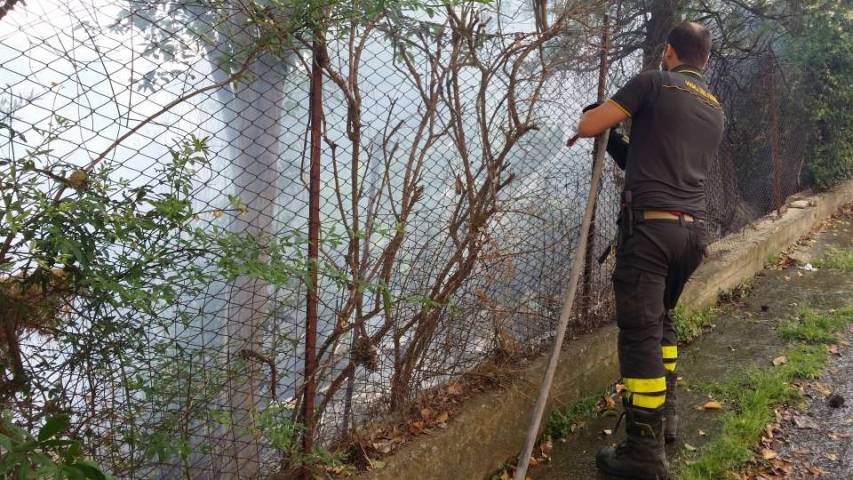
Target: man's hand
598, 119
594, 116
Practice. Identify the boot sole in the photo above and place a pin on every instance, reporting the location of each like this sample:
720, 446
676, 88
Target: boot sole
633, 476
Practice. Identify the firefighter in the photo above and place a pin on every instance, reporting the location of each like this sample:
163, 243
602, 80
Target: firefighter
676, 128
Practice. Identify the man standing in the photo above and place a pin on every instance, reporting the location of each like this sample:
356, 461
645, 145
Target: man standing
676, 128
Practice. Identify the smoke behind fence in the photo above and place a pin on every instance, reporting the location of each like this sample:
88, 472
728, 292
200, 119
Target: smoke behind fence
450, 209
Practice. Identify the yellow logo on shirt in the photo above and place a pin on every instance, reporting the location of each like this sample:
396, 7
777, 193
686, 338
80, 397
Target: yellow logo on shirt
705, 94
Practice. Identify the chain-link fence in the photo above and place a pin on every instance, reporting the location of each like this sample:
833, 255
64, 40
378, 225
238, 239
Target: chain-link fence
449, 212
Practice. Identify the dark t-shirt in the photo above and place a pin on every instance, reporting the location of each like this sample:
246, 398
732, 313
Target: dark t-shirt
677, 126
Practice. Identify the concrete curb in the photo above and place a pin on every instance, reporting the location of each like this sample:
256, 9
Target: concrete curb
736, 258
491, 427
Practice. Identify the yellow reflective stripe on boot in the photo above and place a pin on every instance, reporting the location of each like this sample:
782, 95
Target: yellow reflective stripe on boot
648, 401
670, 355
645, 385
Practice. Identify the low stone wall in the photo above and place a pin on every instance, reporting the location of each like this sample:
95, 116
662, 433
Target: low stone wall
739, 257
491, 427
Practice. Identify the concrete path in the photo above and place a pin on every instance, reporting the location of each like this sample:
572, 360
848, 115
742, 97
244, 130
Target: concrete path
817, 442
743, 336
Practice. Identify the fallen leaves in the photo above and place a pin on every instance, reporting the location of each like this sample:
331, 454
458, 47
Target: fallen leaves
804, 422
709, 405
780, 360
815, 471
455, 389
442, 417
821, 388
428, 418
608, 401
768, 454
506, 475
417, 427
545, 448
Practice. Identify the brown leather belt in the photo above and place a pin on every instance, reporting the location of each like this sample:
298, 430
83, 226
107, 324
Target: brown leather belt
666, 215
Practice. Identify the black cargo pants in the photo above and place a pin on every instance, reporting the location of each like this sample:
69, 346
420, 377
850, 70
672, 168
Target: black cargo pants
654, 259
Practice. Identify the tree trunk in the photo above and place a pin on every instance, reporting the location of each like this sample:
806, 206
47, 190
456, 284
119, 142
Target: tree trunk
257, 107
663, 17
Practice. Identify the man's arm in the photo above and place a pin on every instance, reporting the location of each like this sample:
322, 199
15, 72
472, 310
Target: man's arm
595, 121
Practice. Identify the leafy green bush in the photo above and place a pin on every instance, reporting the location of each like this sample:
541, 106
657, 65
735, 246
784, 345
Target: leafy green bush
49, 454
822, 51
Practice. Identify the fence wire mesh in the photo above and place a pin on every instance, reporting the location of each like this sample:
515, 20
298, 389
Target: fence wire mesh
450, 211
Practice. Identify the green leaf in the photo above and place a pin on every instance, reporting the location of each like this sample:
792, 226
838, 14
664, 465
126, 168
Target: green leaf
53, 426
90, 471
73, 473
5, 442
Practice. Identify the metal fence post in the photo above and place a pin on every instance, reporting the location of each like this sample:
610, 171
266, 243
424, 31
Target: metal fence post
571, 292
590, 260
774, 136
316, 109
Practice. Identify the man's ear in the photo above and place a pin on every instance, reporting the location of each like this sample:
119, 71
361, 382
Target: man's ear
667, 51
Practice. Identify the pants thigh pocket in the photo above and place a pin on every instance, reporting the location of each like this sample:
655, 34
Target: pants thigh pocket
639, 298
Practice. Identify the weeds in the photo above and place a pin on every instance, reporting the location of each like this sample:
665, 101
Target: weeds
690, 324
753, 395
563, 422
816, 328
837, 259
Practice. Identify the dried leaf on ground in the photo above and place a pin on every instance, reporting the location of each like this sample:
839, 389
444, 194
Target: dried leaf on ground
802, 421
782, 466
814, 470
781, 360
822, 389
455, 389
712, 405
442, 417
768, 454
416, 427
546, 447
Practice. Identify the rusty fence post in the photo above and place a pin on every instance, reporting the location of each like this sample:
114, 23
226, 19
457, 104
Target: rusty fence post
310, 389
590, 261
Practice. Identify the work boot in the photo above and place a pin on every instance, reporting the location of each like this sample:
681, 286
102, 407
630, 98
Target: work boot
641, 456
670, 414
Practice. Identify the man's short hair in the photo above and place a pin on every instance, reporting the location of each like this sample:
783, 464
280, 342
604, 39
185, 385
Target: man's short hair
692, 42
